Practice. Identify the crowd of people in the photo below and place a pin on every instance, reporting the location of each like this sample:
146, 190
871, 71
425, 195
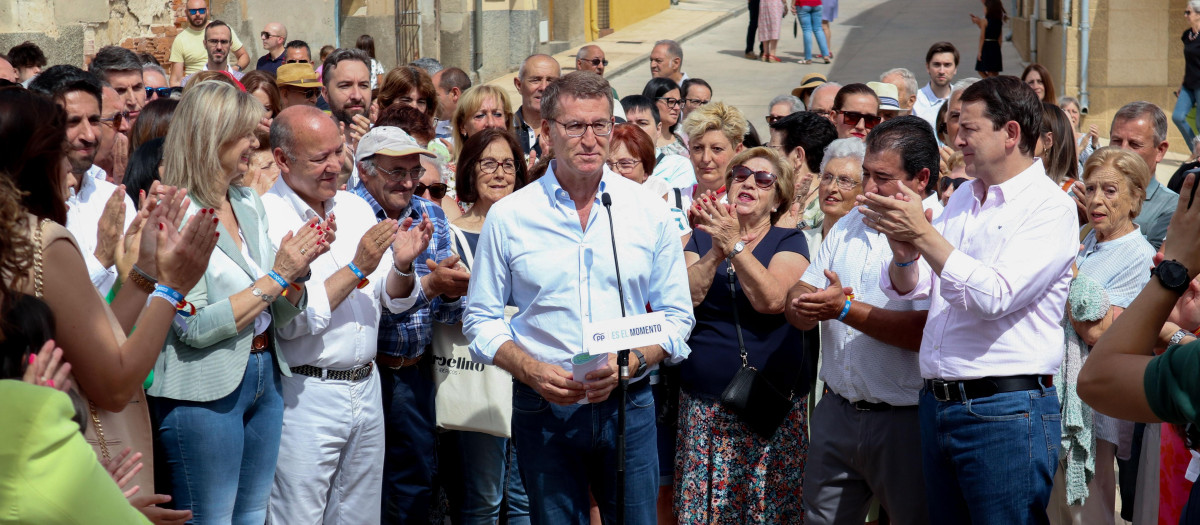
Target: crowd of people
324, 291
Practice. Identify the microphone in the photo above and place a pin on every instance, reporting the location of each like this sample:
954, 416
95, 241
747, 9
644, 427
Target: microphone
606, 200
622, 371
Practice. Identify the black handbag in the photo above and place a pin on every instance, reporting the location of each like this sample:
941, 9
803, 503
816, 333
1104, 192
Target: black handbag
750, 396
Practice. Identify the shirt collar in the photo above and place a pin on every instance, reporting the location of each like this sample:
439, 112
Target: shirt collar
557, 193
285, 192
1153, 188
1011, 188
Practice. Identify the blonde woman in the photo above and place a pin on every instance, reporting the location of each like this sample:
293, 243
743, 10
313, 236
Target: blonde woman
479, 108
715, 134
218, 400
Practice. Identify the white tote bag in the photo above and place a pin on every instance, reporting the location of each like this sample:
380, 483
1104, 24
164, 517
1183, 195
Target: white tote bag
471, 396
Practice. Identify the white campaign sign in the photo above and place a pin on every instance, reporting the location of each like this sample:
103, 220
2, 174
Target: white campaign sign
623, 333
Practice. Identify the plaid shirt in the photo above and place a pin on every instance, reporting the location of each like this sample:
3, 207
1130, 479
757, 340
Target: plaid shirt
409, 334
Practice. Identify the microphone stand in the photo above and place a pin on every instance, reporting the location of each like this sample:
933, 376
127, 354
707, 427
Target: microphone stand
622, 372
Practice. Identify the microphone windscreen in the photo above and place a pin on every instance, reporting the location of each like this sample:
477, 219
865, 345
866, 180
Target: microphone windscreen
605, 199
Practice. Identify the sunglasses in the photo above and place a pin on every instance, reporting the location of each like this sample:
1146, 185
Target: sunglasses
266, 35
297, 61
162, 92
115, 120
437, 190
762, 179
851, 118
201, 11
596, 61
307, 92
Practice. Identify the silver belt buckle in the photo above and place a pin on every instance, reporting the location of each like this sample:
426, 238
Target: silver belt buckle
941, 390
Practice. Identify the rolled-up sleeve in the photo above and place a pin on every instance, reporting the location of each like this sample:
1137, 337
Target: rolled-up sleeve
483, 319
920, 291
1030, 261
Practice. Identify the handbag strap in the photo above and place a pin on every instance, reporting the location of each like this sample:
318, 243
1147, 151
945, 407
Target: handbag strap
38, 273
737, 322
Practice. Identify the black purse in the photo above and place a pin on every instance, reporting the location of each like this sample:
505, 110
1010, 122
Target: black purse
750, 396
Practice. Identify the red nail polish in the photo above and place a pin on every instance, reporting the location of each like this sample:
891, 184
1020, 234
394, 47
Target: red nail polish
216, 220
50, 383
160, 225
312, 225
32, 358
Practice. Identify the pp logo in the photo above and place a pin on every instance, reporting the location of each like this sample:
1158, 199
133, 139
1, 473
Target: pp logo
598, 337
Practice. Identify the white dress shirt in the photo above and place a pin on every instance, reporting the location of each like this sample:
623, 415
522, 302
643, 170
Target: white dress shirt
855, 365
933, 202
84, 210
676, 170
345, 337
533, 250
96, 172
996, 307
927, 105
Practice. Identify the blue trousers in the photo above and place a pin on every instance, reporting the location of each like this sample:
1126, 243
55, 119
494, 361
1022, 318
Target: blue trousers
565, 451
222, 454
410, 433
810, 24
490, 478
1187, 100
990, 460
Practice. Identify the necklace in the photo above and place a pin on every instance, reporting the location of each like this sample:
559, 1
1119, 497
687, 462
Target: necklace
1191, 35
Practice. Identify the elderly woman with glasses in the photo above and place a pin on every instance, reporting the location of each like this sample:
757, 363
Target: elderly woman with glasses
740, 267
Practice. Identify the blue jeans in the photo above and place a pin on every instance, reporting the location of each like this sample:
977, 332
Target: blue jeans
810, 24
490, 478
566, 451
222, 453
1187, 100
990, 460
410, 463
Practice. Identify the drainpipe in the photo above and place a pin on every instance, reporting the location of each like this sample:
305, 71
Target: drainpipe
337, 24
1033, 20
1085, 28
1064, 23
477, 40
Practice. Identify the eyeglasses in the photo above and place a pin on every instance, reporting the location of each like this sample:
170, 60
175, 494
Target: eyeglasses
577, 129
695, 101
595, 62
623, 165
822, 112
297, 61
851, 118
115, 120
162, 92
201, 11
762, 179
843, 182
265, 35
437, 190
670, 102
771, 119
399, 174
490, 166
218, 42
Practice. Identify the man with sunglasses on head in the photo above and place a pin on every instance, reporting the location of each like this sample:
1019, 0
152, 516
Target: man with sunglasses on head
333, 423
388, 160
855, 111
869, 342
188, 51
216, 44
273, 36
547, 248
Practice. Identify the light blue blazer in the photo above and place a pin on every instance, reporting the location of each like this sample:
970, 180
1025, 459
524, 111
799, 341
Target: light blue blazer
206, 360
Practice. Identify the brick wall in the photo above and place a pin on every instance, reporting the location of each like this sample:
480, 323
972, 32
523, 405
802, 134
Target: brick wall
158, 42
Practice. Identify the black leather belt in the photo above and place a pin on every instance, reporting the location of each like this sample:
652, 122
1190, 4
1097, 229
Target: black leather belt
984, 387
354, 374
863, 406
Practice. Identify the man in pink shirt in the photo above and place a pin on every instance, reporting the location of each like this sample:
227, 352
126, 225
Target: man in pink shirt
996, 267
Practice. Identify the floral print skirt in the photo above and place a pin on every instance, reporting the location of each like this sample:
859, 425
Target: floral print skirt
725, 473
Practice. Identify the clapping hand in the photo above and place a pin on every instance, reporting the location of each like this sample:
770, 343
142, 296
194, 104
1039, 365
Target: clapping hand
46, 368
112, 223
374, 243
411, 240
901, 218
299, 249
448, 278
182, 256
822, 305
718, 220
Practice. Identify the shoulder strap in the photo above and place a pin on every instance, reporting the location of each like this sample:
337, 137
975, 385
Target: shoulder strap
737, 322
38, 272
465, 249
678, 198
659, 158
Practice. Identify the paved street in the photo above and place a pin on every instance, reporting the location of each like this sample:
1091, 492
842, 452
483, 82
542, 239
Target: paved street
869, 37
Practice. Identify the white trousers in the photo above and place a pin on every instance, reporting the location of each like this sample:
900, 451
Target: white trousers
330, 467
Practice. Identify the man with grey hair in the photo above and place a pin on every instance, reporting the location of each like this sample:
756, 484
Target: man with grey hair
156, 80
273, 36
333, 423
782, 106
821, 101
1141, 127
564, 422
429, 64
869, 341
537, 72
905, 82
666, 61
122, 70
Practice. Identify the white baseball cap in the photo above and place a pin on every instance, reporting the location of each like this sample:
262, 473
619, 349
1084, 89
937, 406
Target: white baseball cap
390, 141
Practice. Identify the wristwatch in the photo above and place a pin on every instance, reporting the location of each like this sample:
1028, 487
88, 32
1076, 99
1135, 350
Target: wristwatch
1178, 336
641, 363
737, 248
1173, 276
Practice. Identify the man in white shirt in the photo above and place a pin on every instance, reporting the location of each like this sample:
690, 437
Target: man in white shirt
996, 267
866, 436
941, 61
331, 452
96, 232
